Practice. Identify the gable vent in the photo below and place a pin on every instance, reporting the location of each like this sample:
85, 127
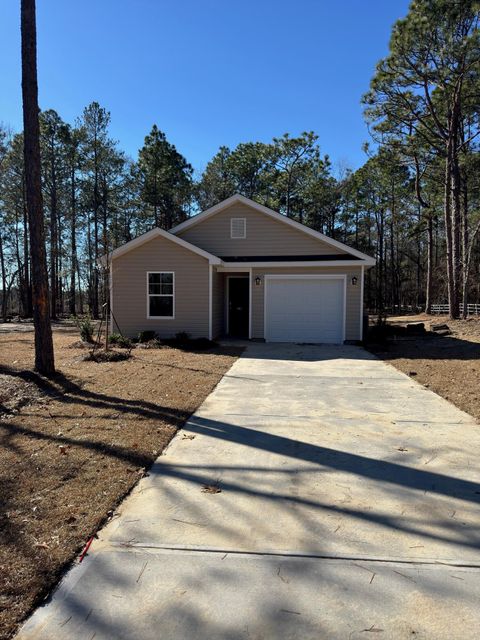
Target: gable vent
238, 228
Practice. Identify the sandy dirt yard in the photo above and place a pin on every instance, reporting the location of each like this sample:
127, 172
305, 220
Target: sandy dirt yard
74, 446
449, 365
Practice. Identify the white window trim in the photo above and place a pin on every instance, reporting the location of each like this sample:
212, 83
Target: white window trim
232, 237
149, 317
312, 276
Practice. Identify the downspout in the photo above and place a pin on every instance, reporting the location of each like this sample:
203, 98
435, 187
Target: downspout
210, 301
362, 277
250, 282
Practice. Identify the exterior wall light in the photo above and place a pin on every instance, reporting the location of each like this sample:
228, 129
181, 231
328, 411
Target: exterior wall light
258, 281
354, 280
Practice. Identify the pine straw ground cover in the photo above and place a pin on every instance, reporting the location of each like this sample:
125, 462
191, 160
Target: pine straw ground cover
68, 458
448, 365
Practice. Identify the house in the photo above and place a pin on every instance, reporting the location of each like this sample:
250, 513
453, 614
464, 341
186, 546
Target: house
242, 270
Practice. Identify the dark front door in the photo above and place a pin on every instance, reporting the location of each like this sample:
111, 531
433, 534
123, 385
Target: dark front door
238, 311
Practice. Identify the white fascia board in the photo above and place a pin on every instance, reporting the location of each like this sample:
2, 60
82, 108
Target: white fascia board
273, 214
160, 233
227, 266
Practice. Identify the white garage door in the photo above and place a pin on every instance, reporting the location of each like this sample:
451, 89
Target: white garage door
304, 309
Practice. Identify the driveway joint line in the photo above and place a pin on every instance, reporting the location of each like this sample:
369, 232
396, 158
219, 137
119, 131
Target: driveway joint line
289, 554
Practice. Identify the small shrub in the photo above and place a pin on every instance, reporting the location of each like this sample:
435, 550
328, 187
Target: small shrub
146, 336
120, 341
81, 344
151, 344
106, 356
182, 337
86, 328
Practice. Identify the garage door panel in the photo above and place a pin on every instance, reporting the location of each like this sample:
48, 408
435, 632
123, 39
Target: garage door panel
304, 310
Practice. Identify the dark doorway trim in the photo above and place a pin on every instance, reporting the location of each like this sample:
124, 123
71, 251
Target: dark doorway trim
248, 278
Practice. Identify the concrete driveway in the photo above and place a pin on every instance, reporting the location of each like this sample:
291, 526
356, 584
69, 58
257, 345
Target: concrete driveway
348, 506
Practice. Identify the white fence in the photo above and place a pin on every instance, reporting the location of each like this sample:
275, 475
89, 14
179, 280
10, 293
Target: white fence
442, 309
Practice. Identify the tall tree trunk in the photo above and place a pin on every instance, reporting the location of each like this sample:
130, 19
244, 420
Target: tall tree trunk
90, 266
467, 266
425, 206
4, 280
428, 291
59, 264
96, 205
73, 242
452, 293
456, 212
26, 265
465, 247
456, 237
418, 263
155, 206
53, 247
22, 292
381, 262
80, 292
95, 278
289, 181
44, 355
105, 270
393, 275
393, 270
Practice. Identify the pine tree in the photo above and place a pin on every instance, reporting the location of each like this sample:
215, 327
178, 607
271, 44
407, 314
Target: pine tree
44, 356
165, 179
424, 86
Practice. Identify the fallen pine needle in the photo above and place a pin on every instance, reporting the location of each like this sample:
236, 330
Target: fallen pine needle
141, 572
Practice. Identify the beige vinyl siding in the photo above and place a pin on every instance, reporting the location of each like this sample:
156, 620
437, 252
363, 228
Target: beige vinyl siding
265, 236
352, 329
129, 294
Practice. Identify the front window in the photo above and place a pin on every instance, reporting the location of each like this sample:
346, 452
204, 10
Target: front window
161, 294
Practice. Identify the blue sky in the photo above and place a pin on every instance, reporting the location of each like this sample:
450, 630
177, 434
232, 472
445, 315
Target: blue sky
207, 72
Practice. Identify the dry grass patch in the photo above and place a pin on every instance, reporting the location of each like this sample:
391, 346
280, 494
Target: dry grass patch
76, 446
448, 365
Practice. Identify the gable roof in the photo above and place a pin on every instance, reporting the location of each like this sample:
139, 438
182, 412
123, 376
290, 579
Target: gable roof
161, 233
238, 199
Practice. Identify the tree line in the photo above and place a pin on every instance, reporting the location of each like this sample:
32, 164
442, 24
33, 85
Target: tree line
94, 199
414, 205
